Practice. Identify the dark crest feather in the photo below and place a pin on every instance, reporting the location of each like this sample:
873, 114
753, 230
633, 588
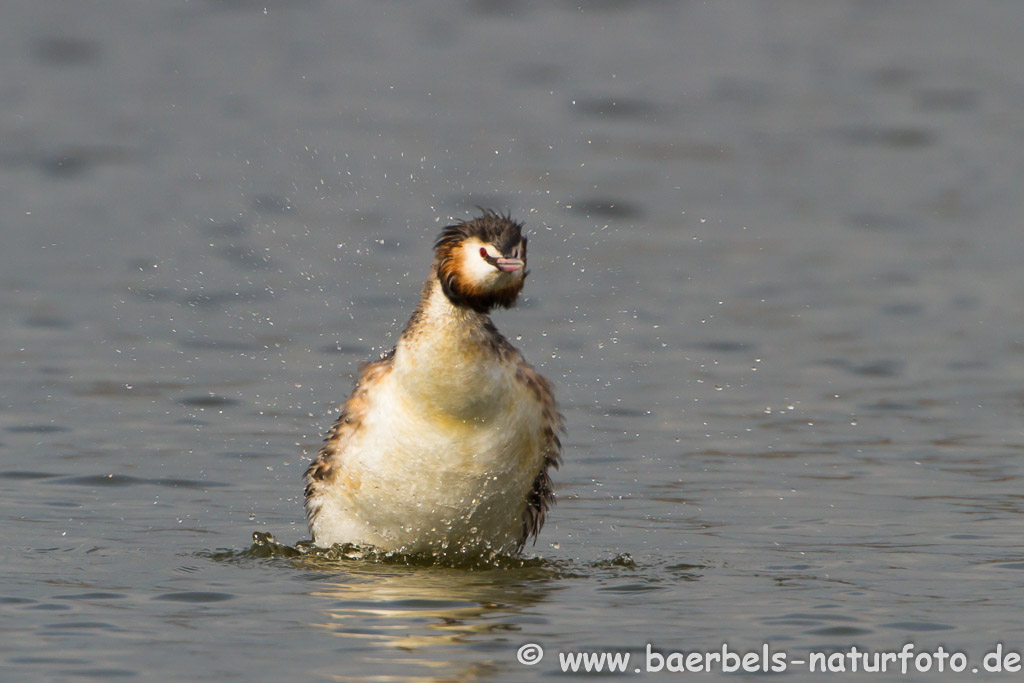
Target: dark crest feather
490, 226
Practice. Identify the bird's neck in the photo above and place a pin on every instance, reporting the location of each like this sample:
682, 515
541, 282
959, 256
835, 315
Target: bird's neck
449, 356
437, 320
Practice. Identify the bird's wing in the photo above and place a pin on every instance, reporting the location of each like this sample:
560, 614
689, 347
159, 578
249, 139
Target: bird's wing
542, 496
326, 464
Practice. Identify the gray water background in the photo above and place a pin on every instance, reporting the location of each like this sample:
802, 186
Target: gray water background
775, 278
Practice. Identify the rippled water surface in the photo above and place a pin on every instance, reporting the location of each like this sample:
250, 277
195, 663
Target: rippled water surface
776, 280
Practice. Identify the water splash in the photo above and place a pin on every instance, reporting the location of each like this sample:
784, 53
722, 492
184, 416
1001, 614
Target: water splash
306, 555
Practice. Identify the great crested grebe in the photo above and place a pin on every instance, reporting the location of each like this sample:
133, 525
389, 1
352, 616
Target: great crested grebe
445, 444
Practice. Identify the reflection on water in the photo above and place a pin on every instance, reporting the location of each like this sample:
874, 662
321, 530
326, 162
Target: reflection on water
416, 614
394, 608
425, 615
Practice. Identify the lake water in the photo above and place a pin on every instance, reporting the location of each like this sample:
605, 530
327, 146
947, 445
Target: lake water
776, 278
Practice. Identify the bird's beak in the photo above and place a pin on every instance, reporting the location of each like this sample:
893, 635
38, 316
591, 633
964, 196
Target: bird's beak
508, 265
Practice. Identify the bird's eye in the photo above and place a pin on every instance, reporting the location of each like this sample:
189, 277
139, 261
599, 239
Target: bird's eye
483, 253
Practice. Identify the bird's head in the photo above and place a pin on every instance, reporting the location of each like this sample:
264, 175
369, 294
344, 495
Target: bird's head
481, 263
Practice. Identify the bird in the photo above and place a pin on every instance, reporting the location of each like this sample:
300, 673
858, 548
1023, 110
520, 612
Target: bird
446, 444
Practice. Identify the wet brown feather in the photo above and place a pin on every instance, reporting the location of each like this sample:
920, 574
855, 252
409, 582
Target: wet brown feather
322, 471
542, 496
